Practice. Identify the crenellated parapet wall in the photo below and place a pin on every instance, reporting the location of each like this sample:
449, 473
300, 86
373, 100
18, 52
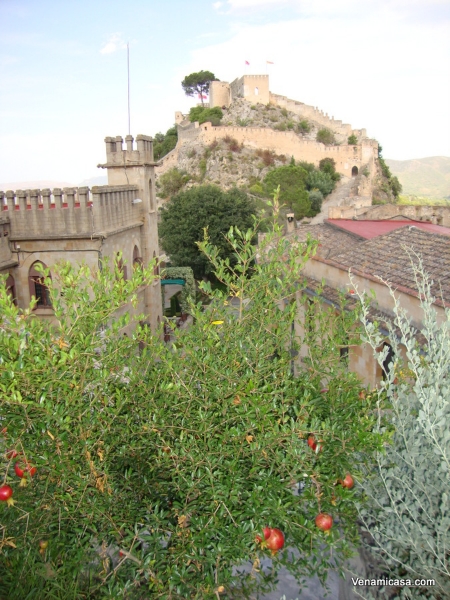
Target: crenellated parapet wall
69, 212
287, 142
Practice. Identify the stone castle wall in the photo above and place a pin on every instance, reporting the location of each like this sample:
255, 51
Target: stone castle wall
287, 142
69, 212
439, 215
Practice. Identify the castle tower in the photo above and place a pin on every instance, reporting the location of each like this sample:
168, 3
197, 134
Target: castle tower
135, 166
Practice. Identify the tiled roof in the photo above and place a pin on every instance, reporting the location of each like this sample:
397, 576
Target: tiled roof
369, 229
332, 241
386, 256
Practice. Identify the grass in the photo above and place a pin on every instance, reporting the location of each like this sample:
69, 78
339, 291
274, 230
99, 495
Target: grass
422, 200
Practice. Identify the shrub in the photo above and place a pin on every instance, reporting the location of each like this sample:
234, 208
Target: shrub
315, 199
304, 126
243, 122
164, 143
325, 136
280, 127
267, 157
191, 153
352, 140
171, 182
200, 114
181, 454
284, 112
409, 513
256, 189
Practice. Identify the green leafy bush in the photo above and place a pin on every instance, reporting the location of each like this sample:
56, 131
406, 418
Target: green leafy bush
293, 194
315, 199
164, 143
304, 126
409, 511
171, 182
200, 114
180, 455
325, 136
352, 140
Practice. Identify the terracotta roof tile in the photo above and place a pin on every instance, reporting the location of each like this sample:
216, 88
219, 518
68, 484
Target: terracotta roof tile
386, 256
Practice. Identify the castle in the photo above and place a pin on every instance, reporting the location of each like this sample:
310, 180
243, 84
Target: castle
85, 225
350, 159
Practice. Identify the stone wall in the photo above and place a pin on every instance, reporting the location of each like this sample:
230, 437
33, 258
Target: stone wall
439, 215
69, 212
287, 142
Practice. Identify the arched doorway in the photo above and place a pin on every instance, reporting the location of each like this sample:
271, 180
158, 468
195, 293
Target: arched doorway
354, 171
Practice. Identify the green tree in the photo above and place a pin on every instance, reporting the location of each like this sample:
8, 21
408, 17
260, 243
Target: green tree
164, 143
293, 194
409, 512
200, 114
198, 83
393, 183
171, 182
352, 140
321, 181
328, 165
180, 455
185, 216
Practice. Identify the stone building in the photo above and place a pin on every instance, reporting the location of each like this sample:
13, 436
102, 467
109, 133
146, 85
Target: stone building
376, 253
82, 225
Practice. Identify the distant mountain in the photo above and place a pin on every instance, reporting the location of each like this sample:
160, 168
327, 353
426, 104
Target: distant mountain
423, 176
34, 185
101, 180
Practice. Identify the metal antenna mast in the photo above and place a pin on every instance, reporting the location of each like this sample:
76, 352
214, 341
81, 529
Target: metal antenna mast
128, 73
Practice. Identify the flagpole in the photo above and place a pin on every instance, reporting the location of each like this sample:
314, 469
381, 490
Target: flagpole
128, 77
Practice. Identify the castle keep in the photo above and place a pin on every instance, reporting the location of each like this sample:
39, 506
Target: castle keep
84, 225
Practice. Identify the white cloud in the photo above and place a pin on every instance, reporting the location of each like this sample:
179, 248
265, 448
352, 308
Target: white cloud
380, 70
114, 43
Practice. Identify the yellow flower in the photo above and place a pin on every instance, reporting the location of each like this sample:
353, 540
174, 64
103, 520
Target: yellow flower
216, 322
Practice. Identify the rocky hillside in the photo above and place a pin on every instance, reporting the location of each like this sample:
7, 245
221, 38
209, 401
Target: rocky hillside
429, 177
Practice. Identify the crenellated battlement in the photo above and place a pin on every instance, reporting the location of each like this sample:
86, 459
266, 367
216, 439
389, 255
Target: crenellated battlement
69, 212
133, 154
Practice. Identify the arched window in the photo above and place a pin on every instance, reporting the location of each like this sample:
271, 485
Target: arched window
38, 289
256, 91
137, 258
11, 288
354, 171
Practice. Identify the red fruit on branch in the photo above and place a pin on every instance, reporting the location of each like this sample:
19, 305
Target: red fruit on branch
11, 454
21, 468
324, 521
6, 493
313, 444
276, 540
348, 482
266, 531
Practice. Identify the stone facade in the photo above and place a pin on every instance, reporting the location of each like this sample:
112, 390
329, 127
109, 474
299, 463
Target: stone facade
86, 225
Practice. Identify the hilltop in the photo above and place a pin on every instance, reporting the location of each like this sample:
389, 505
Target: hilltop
429, 177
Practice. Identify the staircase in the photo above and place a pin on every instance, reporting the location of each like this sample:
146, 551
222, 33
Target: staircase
345, 194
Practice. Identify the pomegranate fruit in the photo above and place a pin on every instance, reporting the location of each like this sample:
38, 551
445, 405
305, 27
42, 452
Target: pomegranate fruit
276, 540
324, 521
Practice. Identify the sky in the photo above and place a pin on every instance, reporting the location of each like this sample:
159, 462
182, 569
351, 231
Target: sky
382, 65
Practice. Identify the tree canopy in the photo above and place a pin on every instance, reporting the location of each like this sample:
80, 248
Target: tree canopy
292, 180
198, 83
185, 216
163, 143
